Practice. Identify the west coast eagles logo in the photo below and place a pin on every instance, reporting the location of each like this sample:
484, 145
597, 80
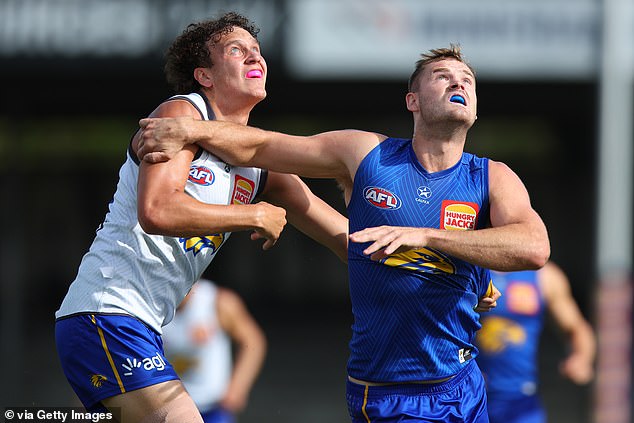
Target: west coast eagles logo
197, 244
423, 260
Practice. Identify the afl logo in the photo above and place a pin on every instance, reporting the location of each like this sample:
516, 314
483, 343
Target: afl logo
381, 198
201, 175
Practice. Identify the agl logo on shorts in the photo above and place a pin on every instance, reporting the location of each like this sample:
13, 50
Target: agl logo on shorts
155, 362
381, 198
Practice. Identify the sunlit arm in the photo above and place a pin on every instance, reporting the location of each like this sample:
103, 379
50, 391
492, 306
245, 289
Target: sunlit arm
165, 209
332, 154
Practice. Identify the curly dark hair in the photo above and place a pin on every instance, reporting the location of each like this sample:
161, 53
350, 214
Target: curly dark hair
452, 52
190, 51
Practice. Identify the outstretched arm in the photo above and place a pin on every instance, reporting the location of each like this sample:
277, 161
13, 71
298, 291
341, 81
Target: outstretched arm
578, 366
517, 240
334, 154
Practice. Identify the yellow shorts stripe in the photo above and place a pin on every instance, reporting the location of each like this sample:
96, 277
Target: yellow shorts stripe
110, 360
365, 403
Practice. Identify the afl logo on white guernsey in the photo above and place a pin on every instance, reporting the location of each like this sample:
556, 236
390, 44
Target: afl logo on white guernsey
381, 198
201, 175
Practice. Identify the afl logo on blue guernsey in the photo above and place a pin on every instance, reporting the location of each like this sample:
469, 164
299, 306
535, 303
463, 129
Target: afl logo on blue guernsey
381, 198
201, 175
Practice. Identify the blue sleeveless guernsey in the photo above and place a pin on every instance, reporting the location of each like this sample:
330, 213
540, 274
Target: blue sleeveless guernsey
414, 315
509, 338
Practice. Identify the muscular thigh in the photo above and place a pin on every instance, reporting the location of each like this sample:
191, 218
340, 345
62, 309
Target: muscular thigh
163, 402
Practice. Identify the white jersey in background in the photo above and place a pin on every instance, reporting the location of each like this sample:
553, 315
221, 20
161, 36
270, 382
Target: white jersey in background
198, 348
127, 271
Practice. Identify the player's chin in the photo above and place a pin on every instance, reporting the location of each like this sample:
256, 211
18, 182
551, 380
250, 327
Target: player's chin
261, 94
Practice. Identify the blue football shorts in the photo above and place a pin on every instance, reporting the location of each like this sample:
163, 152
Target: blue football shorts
523, 409
460, 399
104, 355
217, 415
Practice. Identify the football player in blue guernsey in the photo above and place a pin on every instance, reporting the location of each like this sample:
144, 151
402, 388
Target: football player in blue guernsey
165, 225
509, 341
426, 220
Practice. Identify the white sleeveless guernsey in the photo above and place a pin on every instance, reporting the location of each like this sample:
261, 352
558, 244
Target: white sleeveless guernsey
127, 271
198, 347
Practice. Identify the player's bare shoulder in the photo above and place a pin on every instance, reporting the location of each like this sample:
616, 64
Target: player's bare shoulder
176, 107
503, 180
172, 108
354, 144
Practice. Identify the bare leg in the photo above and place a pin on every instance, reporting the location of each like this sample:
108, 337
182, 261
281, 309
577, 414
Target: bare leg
166, 402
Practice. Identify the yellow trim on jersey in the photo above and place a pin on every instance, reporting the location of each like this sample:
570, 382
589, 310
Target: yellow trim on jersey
107, 351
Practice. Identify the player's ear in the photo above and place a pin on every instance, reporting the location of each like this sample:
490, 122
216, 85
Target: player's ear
203, 76
411, 100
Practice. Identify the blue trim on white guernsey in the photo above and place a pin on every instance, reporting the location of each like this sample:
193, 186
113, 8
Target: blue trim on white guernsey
414, 312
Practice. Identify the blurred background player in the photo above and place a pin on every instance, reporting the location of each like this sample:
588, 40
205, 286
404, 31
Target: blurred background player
509, 341
198, 342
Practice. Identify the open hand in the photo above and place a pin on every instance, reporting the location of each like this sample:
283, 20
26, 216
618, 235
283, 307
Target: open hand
387, 240
162, 138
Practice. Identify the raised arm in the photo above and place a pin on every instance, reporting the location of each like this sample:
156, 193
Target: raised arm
516, 240
578, 366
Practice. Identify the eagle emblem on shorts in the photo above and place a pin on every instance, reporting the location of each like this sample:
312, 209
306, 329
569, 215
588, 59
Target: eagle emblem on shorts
97, 380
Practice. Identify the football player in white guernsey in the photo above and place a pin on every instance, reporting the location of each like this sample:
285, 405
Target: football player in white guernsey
211, 326
166, 224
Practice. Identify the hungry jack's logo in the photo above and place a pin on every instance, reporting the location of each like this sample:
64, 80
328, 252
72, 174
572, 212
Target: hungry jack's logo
522, 298
458, 215
243, 190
